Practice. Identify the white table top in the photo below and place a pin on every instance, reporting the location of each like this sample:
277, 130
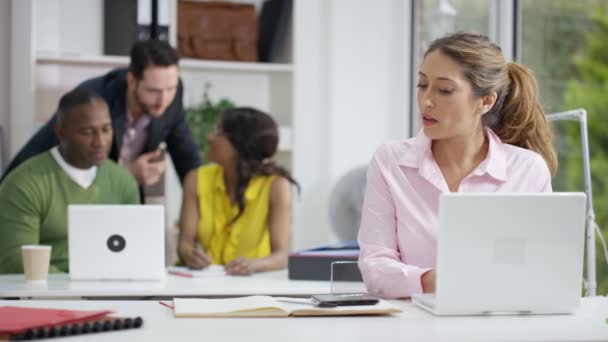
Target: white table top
413, 324
60, 286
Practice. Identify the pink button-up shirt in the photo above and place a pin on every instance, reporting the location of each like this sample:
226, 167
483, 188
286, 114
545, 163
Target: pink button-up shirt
400, 218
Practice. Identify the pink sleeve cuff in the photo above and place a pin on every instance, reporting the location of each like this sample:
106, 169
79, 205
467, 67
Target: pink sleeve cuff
413, 279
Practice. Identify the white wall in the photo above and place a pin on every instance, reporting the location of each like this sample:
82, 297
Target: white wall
22, 107
74, 27
310, 136
5, 45
350, 96
364, 71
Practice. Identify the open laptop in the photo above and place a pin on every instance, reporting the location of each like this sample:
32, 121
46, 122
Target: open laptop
508, 253
116, 242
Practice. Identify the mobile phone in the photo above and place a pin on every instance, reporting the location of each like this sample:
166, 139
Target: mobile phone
333, 300
163, 149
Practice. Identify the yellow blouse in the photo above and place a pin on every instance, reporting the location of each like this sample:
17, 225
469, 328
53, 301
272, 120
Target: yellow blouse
248, 236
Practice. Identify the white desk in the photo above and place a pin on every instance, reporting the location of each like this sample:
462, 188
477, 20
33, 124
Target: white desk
60, 286
587, 324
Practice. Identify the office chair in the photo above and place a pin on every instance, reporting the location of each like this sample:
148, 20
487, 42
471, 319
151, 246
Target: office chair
346, 203
580, 115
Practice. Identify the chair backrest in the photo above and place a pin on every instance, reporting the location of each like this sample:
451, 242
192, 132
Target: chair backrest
346, 202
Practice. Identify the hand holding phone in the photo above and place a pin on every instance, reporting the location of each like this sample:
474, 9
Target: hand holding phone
149, 167
162, 148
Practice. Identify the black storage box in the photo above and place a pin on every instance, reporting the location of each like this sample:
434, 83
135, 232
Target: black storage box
315, 263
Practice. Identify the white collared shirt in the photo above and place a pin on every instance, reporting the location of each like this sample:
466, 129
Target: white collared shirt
83, 177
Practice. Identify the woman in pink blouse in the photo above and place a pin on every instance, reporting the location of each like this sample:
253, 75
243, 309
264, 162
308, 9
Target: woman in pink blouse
484, 130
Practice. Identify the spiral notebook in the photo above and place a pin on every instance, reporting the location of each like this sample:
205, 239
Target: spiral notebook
21, 323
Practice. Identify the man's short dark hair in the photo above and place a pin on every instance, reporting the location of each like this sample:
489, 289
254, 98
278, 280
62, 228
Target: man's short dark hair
75, 98
151, 52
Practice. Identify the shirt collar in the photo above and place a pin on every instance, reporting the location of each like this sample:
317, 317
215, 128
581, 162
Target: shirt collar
142, 122
83, 177
420, 148
421, 157
495, 163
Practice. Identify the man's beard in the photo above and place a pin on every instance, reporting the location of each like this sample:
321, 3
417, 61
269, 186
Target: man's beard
145, 109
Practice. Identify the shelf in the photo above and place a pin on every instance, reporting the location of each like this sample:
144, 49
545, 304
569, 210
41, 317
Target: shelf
188, 63
185, 63
112, 61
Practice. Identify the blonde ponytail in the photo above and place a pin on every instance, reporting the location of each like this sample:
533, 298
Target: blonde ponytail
522, 120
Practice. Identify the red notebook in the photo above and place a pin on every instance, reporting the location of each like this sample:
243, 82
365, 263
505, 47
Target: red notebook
18, 323
15, 320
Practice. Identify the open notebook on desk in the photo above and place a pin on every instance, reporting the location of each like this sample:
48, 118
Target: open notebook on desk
265, 306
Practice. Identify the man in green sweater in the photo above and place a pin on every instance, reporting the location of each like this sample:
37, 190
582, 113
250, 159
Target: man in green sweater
34, 198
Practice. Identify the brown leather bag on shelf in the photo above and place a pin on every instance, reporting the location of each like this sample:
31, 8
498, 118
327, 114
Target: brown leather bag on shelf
217, 30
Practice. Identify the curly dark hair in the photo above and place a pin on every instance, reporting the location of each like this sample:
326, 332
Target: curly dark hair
254, 135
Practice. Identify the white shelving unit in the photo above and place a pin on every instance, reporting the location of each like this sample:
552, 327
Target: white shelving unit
340, 92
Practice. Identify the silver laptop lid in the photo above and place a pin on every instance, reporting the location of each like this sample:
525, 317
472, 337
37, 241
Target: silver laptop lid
124, 242
510, 252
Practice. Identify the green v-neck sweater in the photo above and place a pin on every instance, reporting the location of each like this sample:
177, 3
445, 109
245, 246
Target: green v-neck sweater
34, 202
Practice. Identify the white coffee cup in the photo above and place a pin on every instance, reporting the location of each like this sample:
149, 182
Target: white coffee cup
36, 261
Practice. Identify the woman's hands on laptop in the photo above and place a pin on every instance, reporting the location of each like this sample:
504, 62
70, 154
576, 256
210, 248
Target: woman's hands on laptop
427, 281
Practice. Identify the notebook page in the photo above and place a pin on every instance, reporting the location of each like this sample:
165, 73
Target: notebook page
307, 307
249, 306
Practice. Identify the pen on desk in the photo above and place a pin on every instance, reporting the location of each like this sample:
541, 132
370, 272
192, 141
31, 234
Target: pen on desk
165, 304
180, 274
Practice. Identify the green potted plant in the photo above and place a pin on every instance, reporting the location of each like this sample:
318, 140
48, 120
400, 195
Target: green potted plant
203, 117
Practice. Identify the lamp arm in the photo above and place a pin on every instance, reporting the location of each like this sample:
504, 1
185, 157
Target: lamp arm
592, 228
591, 285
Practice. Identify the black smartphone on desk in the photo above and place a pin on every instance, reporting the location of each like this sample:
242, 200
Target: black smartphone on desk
333, 300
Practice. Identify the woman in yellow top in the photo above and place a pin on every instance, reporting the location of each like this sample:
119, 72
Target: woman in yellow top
238, 207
